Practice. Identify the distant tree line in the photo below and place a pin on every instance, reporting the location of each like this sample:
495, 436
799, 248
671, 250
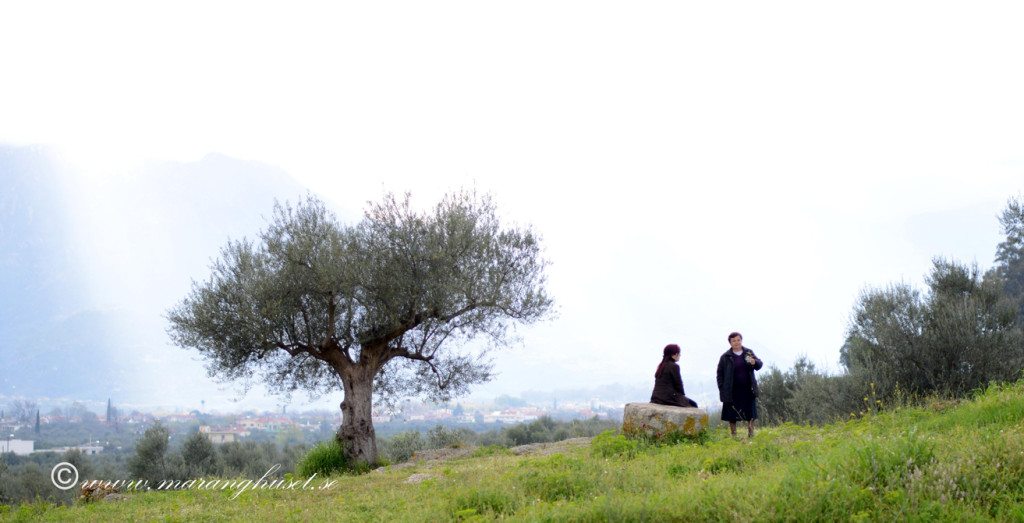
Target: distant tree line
27, 478
198, 457
902, 345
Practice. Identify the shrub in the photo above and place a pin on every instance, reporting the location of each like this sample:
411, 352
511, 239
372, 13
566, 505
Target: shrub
325, 458
402, 446
609, 444
440, 437
719, 464
540, 430
484, 501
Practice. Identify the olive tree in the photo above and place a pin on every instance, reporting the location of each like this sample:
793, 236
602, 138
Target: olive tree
885, 339
384, 307
150, 460
960, 335
199, 456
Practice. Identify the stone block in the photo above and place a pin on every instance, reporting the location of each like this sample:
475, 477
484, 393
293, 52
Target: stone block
662, 422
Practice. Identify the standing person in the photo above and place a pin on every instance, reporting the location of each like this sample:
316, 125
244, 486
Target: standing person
668, 382
737, 385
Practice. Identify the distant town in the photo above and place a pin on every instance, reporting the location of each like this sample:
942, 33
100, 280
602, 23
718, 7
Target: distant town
25, 429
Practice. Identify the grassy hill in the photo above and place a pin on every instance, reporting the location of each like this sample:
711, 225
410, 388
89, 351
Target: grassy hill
945, 461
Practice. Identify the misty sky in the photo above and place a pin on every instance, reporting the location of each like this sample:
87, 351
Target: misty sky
693, 169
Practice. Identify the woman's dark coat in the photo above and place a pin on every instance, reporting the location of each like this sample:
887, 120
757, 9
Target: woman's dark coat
668, 387
725, 374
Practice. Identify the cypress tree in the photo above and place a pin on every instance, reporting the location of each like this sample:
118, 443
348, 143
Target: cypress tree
1009, 267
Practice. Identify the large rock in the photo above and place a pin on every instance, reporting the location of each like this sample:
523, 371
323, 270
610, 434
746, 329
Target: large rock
662, 422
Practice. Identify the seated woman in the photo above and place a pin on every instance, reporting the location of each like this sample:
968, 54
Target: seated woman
668, 382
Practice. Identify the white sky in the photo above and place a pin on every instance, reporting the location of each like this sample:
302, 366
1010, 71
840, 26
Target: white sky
694, 169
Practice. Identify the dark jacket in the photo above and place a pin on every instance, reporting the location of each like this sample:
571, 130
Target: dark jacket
668, 387
725, 374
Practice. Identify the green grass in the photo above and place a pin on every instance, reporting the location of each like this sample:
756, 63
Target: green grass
944, 461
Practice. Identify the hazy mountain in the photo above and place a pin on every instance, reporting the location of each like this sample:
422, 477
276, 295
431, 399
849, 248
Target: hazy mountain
90, 265
34, 232
45, 333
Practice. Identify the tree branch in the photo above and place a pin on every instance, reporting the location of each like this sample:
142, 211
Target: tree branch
417, 319
429, 360
305, 321
294, 349
331, 315
403, 352
473, 304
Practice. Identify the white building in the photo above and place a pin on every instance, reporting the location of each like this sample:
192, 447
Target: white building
20, 447
84, 449
218, 436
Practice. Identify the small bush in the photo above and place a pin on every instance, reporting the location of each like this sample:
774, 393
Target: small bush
401, 447
609, 444
440, 437
484, 501
325, 458
700, 438
719, 464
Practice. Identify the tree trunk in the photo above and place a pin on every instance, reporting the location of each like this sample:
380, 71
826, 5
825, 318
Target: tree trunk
357, 437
